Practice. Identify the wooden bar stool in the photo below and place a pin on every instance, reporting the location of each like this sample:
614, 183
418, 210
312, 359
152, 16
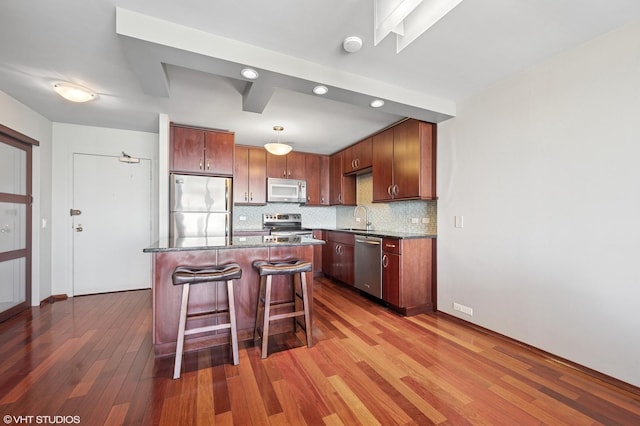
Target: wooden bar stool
293, 268
188, 275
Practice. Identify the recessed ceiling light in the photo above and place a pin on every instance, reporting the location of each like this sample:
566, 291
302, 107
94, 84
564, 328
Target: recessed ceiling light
376, 103
320, 90
73, 92
352, 44
249, 73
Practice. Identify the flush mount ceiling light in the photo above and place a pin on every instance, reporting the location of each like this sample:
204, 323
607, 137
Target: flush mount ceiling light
73, 92
249, 73
352, 44
376, 103
277, 148
407, 18
320, 90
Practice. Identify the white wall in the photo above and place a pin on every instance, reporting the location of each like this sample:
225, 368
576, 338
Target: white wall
67, 140
544, 169
22, 119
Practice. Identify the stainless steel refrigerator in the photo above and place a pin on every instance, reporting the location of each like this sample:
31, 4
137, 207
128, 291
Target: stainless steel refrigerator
200, 207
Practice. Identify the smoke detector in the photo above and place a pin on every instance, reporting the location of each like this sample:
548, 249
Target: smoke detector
352, 44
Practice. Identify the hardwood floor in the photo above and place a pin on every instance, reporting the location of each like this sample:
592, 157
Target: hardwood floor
92, 357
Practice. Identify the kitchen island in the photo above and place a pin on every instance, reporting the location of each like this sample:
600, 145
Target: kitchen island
168, 254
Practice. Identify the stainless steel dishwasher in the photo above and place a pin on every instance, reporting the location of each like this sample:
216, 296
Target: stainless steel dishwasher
368, 264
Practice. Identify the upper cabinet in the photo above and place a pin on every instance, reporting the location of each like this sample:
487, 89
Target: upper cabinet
250, 176
317, 176
358, 157
201, 151
342, 188
404, 165
290, 166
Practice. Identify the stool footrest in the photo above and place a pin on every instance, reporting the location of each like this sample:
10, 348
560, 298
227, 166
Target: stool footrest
207, 328
286, 315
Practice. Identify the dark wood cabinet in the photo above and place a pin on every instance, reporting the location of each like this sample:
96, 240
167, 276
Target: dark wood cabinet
250, 176
408, 274
201, 151
342, 189
358, 157
317, 176
318, 234
404, 162
290, 166
337, 256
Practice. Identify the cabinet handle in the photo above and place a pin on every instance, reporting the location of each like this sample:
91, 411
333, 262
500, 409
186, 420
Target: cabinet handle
245, 196
337, 249
395, 190
200, 164
390, 245
208, 164
284, 173
389, 190
308, 197
251, 196
385, 261
289, 172
339, 198
353, 164
357, 163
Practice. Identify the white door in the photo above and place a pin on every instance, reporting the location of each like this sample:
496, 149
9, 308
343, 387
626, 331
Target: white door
113, 200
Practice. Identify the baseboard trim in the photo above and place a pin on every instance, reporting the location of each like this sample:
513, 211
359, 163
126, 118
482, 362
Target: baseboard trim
551, 357
53, 298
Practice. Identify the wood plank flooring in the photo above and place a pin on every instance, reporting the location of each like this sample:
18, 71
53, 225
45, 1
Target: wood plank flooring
92, 357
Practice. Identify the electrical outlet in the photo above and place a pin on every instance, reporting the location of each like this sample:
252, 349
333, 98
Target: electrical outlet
357, 219
464, 309
425, 220
459, 221
242, 218
414, 220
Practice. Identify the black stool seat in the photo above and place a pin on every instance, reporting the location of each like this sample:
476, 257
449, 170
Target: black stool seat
188, 275
206, 274
281, 267
295, 268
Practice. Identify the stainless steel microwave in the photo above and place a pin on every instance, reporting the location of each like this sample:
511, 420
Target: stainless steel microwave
286, 190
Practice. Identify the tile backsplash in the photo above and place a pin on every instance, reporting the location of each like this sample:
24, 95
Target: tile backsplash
396, 216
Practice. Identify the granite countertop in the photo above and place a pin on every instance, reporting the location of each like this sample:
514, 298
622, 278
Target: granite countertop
237, 242
381, 234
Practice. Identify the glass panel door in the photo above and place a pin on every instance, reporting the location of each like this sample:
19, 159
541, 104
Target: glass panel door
15, 226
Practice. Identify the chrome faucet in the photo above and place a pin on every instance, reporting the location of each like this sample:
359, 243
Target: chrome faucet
367, 224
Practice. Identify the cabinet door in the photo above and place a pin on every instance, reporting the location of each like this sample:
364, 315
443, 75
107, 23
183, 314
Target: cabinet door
324, 180
241, 176
218, 153
276, 166
391, 278
342, 189
383, 165
335, 177
296, 165
406, 160
317, 252
347, 255
329, 252
187, 149
358, 157
312, 165
257, 176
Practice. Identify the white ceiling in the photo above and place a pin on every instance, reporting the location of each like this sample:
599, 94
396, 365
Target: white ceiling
181, 58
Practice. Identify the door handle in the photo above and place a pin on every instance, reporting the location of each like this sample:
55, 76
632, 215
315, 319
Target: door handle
79, 228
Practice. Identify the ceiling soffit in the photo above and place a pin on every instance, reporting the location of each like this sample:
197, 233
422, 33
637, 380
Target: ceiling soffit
150, 43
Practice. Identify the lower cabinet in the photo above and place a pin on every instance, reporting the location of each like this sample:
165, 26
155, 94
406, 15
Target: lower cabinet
337, 256
318, 234
408, 278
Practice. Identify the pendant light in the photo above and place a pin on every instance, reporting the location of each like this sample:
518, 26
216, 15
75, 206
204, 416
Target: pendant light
277, 148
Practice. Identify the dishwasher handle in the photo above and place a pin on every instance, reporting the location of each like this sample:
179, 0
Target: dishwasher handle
374, 241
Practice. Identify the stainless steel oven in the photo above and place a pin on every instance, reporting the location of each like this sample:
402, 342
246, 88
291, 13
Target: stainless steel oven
285, 224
